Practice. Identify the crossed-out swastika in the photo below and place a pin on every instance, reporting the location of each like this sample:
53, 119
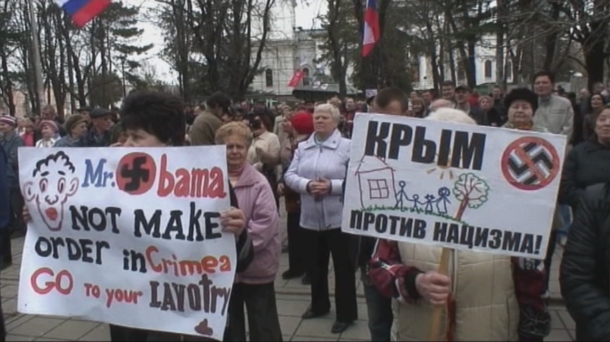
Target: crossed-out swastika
530, 163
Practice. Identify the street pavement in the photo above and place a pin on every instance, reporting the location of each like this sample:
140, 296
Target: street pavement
292, 301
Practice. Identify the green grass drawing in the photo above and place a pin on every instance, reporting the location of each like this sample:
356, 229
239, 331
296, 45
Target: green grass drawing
413, 210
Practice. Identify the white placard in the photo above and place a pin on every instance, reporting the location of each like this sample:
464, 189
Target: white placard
128, 236
452, 185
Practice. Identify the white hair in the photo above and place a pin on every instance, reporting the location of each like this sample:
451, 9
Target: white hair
330, 109
451, 115
440, 103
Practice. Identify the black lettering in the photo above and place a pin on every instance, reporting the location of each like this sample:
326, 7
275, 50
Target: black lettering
375, 144
81, 249
79, 220
466, 236
194, 225
454, 233
424, 151
355, 220
394, 223
101, 217
468, 153
95, 218
381, 224
205, 283
137, 261
194, 297
174, 225
154, 298
114, 213
440, 231
154, 225
496, 236
538, 243
168, 298
401, 136
481, 237
74, 252
369, 218
211, 226
527, 245
420, 229
179, 290
99, 246
406, 227
444, 148
57, 242
43, 247
511, 241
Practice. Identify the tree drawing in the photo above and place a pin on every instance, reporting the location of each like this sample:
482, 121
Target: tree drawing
471, 191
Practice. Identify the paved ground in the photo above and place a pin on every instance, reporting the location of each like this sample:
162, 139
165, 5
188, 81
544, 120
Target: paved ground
292, 298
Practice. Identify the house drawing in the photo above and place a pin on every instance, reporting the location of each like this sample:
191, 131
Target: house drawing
376, 182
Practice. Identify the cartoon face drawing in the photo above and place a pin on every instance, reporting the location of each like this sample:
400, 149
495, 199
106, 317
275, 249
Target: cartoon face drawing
53, 183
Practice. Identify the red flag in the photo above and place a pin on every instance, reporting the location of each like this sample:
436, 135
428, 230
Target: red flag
296, 78
370, 36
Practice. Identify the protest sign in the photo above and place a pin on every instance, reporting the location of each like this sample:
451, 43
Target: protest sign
452, 185
128, 236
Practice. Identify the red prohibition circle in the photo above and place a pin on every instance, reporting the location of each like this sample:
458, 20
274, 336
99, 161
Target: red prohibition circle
517, 146
136, 173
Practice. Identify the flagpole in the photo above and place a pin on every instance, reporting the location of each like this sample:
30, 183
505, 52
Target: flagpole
36, 56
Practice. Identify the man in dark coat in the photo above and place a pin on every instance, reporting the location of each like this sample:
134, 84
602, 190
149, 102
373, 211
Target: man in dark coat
5, 220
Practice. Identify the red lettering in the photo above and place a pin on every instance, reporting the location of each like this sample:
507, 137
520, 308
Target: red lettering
122, 296
92, 290
57, 282
225, 263
197, 183
209, 263
149, 259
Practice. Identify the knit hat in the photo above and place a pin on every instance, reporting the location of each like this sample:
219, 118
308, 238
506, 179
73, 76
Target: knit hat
302, 122
72, 121
49, 123
523, 94
9, 120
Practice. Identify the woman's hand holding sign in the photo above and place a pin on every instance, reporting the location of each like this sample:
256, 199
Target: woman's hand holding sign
233, 221
434, 287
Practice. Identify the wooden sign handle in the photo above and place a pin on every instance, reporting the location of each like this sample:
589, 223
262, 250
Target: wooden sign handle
443, 268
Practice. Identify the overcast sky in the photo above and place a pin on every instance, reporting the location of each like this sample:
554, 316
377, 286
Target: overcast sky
307, 11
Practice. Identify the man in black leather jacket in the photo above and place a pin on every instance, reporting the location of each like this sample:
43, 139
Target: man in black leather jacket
585, 269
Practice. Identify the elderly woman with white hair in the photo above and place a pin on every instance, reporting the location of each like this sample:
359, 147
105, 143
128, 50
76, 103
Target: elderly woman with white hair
487, 297
317, 172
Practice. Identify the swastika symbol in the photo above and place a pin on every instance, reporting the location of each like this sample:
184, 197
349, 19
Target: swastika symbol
530, 163
136, 173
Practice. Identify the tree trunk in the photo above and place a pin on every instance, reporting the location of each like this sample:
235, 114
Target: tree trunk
594, 60
461, 209
500, 44
8, 84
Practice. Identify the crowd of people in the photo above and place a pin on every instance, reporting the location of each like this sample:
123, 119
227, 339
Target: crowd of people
300, 153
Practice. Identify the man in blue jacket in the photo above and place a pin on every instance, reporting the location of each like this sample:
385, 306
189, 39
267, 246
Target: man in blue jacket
5, 219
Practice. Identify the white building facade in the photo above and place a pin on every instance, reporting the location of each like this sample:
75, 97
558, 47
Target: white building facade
287, 49
281, 57
485, 60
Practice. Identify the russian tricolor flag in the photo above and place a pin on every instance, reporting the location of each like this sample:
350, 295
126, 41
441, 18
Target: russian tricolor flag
82, 11
370, 34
